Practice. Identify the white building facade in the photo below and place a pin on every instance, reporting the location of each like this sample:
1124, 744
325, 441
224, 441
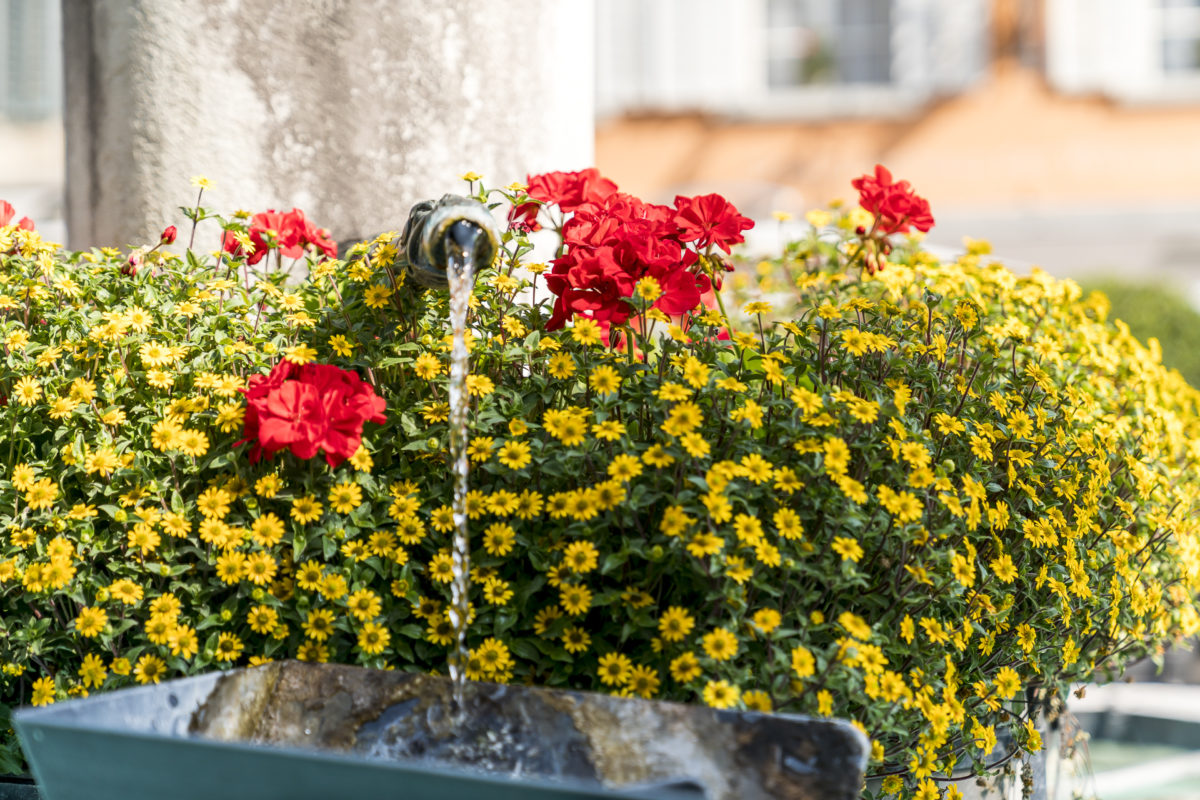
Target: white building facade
817, 59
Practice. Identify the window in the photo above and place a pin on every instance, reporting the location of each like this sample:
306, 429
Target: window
30, 60
1179, 45
812, 42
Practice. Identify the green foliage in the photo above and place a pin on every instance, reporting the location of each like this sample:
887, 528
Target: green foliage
926, 500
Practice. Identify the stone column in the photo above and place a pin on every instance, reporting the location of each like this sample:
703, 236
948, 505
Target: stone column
349, 109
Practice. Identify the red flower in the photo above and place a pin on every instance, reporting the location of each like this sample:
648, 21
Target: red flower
567, 190
307, 409
7, 212
895, 205
168, 235
593, 283
710, 220
291, 232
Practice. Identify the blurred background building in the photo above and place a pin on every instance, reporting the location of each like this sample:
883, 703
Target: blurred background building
1067, 132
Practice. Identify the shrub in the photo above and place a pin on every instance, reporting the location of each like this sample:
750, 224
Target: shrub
926, 498
1160, 313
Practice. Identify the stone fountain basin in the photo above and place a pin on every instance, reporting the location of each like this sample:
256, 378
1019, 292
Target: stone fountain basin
296, 730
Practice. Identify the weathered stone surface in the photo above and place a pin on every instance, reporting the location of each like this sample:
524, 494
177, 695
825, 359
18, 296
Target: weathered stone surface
350, 109
528, 731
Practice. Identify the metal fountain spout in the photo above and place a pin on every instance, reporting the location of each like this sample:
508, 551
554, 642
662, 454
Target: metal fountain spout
452, 231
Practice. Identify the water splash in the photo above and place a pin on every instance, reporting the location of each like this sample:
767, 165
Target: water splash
460, 273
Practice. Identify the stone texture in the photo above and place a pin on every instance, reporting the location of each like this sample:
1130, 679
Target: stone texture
350, 109
618, 742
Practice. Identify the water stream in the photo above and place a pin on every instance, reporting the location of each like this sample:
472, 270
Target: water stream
460, 274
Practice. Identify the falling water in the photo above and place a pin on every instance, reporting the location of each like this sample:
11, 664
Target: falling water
460, 274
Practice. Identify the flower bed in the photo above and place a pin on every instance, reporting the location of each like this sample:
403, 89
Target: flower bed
925, 496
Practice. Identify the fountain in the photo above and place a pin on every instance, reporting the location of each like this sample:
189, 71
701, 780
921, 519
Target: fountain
320, 730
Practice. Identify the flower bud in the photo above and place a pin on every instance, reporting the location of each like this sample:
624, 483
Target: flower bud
168, 235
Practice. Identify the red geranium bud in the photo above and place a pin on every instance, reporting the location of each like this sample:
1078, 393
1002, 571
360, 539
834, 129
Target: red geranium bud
130, 268
168, 235
860, 230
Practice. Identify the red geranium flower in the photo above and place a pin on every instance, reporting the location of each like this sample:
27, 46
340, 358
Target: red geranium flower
567, 190
292, 233
7, 212
309, 409
895, 205
710, 220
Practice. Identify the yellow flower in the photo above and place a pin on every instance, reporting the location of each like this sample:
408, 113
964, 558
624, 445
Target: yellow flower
183, 641
803, 663
575, 640
767, 619
41, 494
847, 548
91, 621
213, 503
575, 600
480, 385
341, 346
695, 445
561, 366
604, 380
441, 567
364, 604
22, 477
260, 568
27, 391
268, 486
609, 431
581, 557
229, 647
586, 331
306, 509
720, 644
91, 671
643, 681
720, 694
498, 539
757, 700
44, 692
376, 295
567, 426
614, 669
299, 354
675, 624
192, 443
685, 668
262, 619
159, 379
267, 530
345, 497
149, 669
373, 639
1007, 682
318, 624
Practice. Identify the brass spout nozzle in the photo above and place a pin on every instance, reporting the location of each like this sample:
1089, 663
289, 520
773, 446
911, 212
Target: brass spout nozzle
452, 229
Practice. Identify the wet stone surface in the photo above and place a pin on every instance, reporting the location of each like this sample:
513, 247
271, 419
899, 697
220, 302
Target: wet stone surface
523, 731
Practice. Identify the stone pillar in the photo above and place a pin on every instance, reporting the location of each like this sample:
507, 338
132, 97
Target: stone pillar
349, 109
